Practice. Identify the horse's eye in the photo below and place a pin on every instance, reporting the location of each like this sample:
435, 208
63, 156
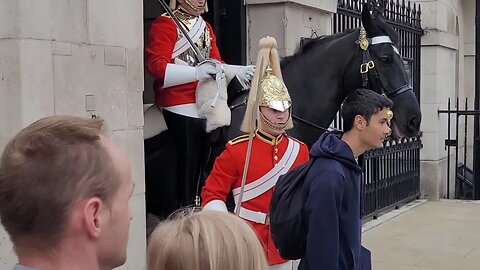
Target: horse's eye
385, 59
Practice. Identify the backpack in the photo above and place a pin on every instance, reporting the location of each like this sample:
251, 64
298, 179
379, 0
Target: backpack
287, 221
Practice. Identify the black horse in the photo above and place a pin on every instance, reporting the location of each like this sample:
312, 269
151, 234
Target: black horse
319, 77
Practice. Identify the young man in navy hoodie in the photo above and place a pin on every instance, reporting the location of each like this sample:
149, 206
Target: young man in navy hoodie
333, 202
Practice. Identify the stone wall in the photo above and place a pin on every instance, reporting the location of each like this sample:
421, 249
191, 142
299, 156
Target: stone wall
447, 72
80, 57
287, 22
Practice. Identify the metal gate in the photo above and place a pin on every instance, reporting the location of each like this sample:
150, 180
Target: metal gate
463, 149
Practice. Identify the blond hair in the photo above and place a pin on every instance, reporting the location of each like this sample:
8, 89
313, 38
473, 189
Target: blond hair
267, 57
207, 240
45, 169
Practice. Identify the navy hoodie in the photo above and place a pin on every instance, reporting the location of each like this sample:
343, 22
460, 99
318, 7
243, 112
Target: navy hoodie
332, 208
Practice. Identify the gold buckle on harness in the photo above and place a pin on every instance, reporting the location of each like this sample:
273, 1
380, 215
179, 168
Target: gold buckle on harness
371, 64
366, 66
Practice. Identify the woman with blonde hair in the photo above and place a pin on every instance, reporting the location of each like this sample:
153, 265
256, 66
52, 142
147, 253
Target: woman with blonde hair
208, 240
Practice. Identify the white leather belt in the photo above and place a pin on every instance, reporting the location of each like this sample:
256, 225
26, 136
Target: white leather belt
254, 216
189, 109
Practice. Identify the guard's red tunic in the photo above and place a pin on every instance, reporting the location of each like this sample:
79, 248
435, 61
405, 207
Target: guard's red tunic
161, 41
227, 172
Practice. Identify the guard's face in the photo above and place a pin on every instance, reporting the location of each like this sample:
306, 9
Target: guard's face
193, 7
276, 118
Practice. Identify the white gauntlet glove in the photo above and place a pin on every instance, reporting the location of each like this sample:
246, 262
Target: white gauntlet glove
177, 74
206, 70
245, 74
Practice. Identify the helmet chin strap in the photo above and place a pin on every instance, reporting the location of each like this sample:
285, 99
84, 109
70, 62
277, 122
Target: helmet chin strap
274, 126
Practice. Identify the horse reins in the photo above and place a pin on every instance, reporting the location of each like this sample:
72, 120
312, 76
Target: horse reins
314, 125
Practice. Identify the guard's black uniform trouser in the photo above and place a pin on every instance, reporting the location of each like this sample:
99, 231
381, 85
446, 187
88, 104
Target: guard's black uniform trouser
192, 147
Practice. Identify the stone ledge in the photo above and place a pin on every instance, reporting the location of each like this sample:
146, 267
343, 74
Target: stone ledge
326, 5
469, 49
434, 37
62, 48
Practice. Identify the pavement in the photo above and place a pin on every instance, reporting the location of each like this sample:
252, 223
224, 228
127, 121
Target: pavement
426, 235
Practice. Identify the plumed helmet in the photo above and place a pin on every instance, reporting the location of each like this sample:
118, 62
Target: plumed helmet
267, 86
274, 93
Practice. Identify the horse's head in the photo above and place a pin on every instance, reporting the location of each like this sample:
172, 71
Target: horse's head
382, 70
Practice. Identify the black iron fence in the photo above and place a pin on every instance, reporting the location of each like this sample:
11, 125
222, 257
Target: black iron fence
392, 173
391, 176
402, 16
462, 144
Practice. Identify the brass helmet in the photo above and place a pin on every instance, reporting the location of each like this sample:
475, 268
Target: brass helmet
268, 87
274, 93
173, 5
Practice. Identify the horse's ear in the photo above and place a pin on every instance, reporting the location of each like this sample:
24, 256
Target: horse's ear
368, 22
366, 17
378, 10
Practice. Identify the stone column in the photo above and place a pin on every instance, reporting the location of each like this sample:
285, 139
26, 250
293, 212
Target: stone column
287, 22
468, 43
80, 57
440, 66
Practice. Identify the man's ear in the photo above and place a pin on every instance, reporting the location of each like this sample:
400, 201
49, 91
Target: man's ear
94, 217
359, 122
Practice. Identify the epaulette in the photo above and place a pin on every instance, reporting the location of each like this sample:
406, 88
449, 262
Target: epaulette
239, 139
295, 139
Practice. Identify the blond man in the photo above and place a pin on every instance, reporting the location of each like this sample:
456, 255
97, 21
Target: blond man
64, 193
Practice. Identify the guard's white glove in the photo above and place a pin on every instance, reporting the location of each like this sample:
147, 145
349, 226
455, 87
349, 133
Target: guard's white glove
206, 70
245, 74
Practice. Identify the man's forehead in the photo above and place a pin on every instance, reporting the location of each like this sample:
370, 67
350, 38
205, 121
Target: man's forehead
385, 113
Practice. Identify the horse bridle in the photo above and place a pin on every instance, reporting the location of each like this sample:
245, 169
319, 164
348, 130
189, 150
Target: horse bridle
368, 65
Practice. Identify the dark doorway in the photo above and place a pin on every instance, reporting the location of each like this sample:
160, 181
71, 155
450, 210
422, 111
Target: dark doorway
228, 21
229, 24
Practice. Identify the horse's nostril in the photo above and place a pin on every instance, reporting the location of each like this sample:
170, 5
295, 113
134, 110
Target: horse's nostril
414, 124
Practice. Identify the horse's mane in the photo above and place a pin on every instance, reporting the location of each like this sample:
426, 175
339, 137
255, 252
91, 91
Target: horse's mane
313, 43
